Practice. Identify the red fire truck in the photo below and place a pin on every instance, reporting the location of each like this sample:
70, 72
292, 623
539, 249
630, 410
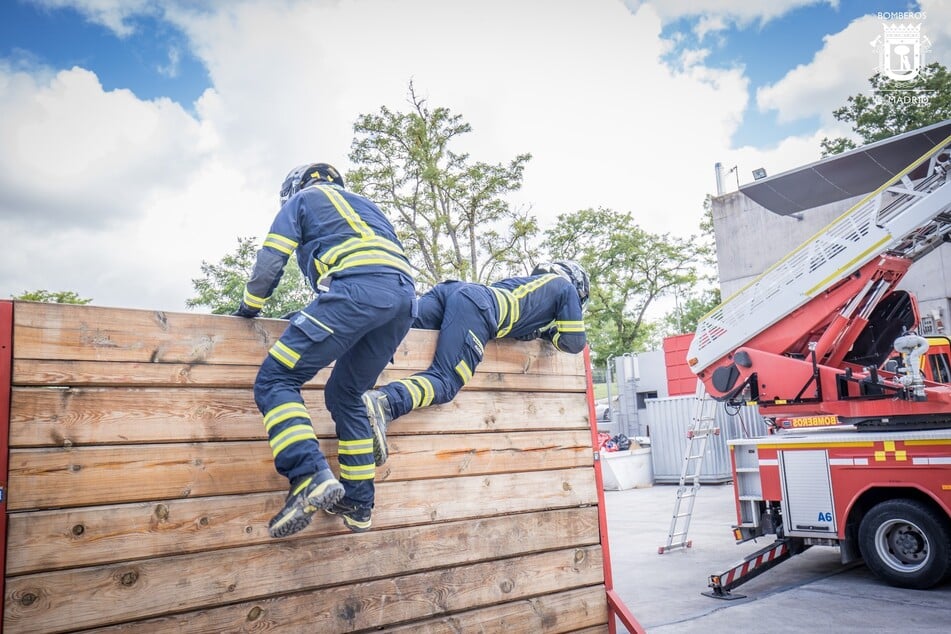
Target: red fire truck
825, 344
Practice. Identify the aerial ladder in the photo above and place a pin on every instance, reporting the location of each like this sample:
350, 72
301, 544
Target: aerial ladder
807, 339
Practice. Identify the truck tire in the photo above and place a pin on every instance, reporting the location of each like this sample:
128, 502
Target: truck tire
906, 543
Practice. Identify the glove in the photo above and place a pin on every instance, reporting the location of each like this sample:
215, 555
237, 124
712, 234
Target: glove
244, 311
533, 335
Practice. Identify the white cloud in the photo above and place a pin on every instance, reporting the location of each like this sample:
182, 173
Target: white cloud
112, 14
716, 15
120, 199
844, 64
839, 69
171, 69
74, 154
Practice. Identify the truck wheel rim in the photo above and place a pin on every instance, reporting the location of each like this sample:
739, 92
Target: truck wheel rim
902, 545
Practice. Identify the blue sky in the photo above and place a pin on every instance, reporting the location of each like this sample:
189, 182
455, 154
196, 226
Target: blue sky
154, 61
151, 134
766, 52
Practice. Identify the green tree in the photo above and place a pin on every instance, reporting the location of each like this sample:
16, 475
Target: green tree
894, 107
630, 269
448, 210
221, 286
52, 297
699, 298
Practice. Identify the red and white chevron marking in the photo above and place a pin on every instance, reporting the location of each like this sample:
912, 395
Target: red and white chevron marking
745, 567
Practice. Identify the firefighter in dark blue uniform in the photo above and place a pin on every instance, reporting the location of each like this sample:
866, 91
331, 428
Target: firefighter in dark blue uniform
548, 304
365, 305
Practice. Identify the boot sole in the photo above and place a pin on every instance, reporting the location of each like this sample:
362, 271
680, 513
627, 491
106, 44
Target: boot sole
298, 517
380, 450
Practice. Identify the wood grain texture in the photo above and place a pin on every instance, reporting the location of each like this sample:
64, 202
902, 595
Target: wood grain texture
374, 604
141, 484
80, 476
72, 417
47, 372
59, 601
91, 333
87, 536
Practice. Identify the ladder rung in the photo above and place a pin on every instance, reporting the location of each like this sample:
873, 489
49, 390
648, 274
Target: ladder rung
701, 428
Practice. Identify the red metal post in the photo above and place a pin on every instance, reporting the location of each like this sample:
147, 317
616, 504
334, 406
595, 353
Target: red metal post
616, 607
6, 376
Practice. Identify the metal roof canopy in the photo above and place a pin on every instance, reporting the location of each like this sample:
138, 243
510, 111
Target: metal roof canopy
845, 175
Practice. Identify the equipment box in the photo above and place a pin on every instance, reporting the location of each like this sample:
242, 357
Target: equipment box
630, 469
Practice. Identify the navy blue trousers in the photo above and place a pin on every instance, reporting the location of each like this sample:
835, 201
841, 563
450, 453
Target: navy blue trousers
468, 323
358, 324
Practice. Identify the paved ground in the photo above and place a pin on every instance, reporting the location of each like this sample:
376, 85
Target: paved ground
811, 592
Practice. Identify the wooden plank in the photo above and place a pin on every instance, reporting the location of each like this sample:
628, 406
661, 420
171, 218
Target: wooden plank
45, 372
95, 333
104, 595
53, 478
553, 614
383, 602
413, 457
80, 476
67, 538
72, 417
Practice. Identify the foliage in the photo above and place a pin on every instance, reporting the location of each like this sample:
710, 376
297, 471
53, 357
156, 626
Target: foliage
52, 297
697, 299
448, 210
690, 310
630, 269
894, 107
222, 286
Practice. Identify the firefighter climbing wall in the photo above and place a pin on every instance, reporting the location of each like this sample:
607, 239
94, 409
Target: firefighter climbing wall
140, 485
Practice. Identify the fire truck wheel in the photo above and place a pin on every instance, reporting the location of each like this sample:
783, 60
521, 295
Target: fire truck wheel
906, 543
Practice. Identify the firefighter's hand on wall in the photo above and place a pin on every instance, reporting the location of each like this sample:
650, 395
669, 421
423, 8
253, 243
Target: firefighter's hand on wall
244, 311
535, 334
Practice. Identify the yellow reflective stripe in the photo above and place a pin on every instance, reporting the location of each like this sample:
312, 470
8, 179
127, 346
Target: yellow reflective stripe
554, 340
462, 369
534, 285
355, 447
300, 487
357, 472
284, 354
478, 343
280, 243
292, 435
369, 258
346, 211
318, 322
253, 301
508, 310
284, 412
570, 326
428, 392
415, 393
503, 304
513, 296
353, 245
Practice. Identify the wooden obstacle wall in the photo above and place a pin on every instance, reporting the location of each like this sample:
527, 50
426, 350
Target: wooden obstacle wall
140, 485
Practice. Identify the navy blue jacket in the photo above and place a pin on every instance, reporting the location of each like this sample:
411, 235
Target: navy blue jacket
544, 306
334, 232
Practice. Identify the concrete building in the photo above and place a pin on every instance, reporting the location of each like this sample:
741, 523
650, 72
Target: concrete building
750, 237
